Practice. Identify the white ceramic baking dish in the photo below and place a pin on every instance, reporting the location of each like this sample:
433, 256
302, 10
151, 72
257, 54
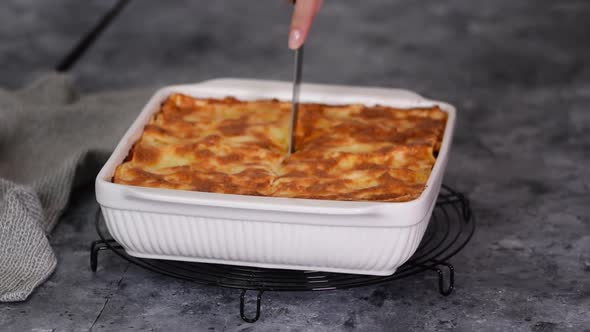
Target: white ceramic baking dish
353, 237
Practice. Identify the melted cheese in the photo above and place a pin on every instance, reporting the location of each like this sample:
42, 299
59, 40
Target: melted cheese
349, 152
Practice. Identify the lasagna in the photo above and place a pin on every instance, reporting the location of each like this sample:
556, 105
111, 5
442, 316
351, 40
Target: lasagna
342, 152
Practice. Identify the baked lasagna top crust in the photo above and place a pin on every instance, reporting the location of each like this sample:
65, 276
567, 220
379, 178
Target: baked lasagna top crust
347, 152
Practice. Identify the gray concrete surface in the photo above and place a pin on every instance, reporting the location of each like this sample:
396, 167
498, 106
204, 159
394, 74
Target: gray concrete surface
34, 35
517, 70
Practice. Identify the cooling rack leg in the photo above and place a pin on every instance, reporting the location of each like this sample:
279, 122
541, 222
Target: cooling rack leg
97, 246
94, 248
466, 208
441, 276
242, 301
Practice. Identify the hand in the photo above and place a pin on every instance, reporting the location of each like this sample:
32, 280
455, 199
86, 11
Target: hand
303, 15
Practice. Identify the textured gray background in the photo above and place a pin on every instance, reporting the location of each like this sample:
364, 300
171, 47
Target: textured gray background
518, 71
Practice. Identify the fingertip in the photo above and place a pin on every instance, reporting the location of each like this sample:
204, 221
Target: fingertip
303, 16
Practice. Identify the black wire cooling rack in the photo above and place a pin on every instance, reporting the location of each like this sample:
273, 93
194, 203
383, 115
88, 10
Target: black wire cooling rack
450, 229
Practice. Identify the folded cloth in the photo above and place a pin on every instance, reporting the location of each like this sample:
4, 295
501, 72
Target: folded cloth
51, 140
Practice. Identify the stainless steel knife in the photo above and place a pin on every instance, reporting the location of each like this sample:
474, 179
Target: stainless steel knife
295, 97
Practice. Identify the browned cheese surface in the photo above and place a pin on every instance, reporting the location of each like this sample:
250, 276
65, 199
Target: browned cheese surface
343, 152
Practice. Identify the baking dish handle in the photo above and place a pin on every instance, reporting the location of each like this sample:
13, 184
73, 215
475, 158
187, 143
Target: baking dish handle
240, 203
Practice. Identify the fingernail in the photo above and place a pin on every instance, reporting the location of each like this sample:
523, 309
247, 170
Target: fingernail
294, 39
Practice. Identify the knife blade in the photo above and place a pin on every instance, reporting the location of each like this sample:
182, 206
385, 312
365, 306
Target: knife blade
295, 96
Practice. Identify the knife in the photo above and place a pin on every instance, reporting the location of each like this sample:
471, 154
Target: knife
295, 97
